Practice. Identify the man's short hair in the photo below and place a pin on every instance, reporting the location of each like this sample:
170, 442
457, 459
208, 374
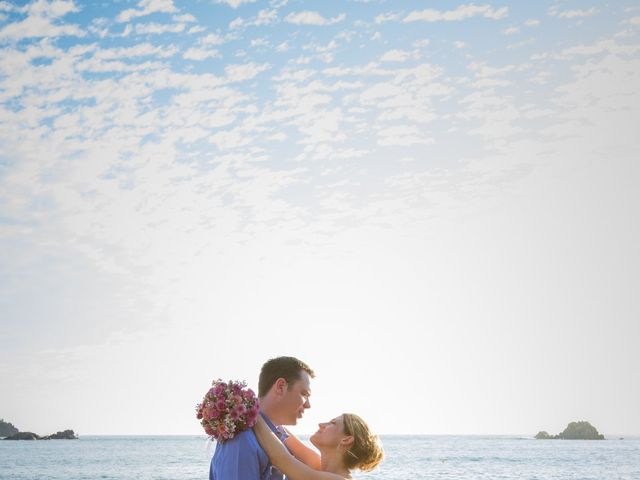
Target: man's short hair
289, 368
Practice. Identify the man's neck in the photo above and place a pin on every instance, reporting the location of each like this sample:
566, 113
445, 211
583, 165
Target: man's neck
268, 411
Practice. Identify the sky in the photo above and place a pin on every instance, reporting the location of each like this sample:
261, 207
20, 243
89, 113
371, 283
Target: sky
434, 204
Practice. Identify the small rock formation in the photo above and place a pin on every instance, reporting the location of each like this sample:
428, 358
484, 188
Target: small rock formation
23, 436
581, 431
7, 429
574, 431
66, 435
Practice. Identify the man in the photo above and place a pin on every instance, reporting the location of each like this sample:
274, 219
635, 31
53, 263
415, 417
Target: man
284, 390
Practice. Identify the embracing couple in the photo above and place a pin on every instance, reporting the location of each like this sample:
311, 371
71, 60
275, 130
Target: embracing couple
270, 452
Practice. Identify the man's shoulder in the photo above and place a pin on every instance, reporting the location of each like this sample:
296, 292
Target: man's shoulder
240, 458
246, 441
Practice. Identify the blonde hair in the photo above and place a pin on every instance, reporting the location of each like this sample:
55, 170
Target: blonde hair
366, 451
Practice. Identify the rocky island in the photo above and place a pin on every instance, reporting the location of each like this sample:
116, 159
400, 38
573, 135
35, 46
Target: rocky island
574, 431
7, 429
10, 432
65, 435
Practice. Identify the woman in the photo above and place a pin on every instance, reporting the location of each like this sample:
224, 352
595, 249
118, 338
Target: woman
345, 443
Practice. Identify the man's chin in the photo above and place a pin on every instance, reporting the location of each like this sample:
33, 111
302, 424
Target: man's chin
291, 421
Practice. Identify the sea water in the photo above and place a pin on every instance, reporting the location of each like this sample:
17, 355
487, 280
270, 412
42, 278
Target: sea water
407, 457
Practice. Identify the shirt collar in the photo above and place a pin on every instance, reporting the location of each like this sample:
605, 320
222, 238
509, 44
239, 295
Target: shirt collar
280, 432
269, 423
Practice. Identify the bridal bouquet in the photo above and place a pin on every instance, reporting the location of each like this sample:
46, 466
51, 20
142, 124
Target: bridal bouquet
227, 409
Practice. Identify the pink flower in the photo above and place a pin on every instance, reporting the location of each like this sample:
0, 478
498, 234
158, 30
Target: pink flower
252, 416
208, 430
238, 411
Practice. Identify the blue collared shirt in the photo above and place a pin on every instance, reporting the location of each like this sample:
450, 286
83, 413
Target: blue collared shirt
242, 458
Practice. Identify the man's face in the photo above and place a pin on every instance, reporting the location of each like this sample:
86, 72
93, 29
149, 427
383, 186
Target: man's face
296, 399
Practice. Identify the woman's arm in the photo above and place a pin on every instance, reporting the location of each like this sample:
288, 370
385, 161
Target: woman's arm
281, 458
303, 453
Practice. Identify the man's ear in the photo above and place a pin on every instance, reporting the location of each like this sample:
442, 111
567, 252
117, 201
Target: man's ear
280, 386
347, 441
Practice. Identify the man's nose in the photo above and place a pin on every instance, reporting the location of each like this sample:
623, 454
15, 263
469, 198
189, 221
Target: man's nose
307, 404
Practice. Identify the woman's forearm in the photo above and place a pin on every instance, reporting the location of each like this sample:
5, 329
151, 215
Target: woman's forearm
271, 444
303, 453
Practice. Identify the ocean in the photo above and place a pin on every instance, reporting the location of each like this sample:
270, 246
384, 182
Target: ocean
407, 457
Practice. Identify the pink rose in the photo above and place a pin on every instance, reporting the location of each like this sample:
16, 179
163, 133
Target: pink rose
238, 411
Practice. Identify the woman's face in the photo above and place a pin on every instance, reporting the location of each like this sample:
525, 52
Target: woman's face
329, 433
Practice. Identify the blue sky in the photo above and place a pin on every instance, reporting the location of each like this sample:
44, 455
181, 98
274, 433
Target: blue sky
439, 193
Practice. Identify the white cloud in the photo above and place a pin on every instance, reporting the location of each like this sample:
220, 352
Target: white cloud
140, 50
553, 11
203, 49
235, 3
195, 53
37, 27
387, 17
264, 17
633, 21
158, 28
591, 49
532, 22
211, 39
510, 31
186, 18
147, 7
399, 56
41, 21
460, 13
260, 43
312, 18
52, 9
242, 72
237, 23
97, 65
